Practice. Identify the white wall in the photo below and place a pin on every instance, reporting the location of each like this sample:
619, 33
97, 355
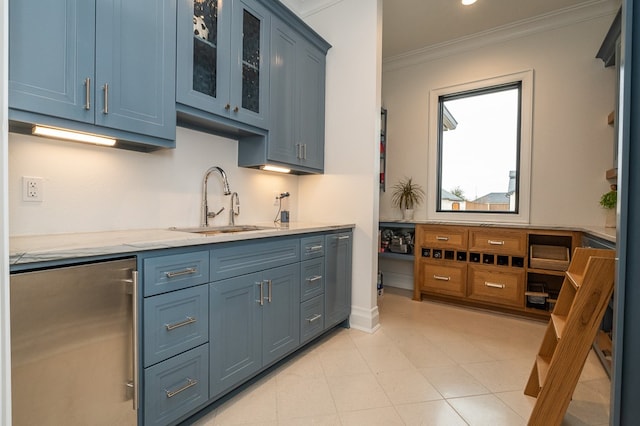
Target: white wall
91, 188
573, 94
348, 191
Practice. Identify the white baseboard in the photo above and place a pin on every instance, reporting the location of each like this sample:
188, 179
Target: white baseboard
366, 320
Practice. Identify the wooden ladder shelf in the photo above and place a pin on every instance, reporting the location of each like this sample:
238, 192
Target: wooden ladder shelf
585, 293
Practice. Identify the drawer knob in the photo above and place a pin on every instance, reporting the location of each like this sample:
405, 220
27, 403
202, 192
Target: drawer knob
187, 321
441, 278
190, 383
495, 243
493, 285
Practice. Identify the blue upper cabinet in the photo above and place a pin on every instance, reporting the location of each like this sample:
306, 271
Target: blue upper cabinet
103, 66
296, 101
222, 68
296, 134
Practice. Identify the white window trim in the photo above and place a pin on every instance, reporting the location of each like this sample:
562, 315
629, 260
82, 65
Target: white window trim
526, 127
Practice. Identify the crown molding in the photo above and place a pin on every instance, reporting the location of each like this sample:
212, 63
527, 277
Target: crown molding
305, 8
546, 22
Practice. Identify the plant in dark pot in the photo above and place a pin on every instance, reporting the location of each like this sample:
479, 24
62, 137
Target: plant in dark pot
608, 201
406, 196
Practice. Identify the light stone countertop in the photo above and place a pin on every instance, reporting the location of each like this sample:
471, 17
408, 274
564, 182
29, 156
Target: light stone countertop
608, 234
56, 247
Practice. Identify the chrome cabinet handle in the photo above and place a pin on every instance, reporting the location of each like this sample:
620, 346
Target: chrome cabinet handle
106, 98
187, 321
190, 383
442, 238
344, 237
314, 248
87, 93
261, 301
187, 271
314, 278
495, 243
441, 278
314, 318
494, 285
304, 151
270, 289
135, 354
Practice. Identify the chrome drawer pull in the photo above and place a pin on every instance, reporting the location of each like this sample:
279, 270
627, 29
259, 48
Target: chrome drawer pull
314, 248
190, 383
314, 318
344, 237
261, 301
189, 320
441, 278
188, 271
314, 278
495, 243
493, 285
442, 238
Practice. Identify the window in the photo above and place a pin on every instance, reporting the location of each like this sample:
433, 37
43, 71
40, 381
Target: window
480, 150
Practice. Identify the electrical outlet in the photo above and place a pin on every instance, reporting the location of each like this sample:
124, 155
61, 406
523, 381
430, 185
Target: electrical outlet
32, 189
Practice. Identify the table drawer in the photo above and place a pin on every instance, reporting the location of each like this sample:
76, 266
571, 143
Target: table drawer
496, 285
173, 272
176, 386
448, 280
498, 241
311, 318
442, 237
311, 278
175, 322
311, 247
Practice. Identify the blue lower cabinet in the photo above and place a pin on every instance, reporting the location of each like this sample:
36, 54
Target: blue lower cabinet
235, 330
312, 282
175, 322
338, 278
177, 386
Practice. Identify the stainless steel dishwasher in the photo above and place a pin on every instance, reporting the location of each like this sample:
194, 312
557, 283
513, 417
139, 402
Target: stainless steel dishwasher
72, 345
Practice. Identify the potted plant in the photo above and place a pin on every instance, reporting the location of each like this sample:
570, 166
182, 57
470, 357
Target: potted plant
608, 201
406, 196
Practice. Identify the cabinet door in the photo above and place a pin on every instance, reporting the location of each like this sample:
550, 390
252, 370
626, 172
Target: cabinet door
235, 331
281, 312
135, 66
337, 269
283, 94
249, 62
203, 49
48, 65
311, 88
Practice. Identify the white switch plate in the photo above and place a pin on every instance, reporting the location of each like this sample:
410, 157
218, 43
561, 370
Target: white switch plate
32, 188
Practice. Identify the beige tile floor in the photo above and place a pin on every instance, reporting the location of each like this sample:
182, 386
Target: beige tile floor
428, 364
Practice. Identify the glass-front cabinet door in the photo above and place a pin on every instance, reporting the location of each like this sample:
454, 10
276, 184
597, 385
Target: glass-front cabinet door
222, 49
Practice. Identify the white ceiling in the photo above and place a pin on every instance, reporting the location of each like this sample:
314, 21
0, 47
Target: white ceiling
410, 25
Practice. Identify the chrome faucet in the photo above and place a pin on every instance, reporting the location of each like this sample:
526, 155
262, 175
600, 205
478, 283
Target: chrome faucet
206, 214
235, 208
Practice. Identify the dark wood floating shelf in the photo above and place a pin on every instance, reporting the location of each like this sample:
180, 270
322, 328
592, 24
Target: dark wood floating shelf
612, 173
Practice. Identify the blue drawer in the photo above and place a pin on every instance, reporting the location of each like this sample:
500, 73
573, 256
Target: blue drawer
176, 386
311, 247
242, 258
311, 318
311, 278
173, 272
175, 322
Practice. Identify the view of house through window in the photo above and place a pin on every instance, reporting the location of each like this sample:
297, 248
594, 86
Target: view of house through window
478, 146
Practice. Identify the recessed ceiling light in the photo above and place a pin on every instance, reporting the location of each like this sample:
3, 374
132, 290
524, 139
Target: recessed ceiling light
468, 2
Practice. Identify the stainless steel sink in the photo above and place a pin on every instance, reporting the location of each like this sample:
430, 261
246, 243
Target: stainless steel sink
215, 230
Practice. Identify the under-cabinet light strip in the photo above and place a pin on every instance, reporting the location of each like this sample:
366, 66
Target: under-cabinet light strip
70, 135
